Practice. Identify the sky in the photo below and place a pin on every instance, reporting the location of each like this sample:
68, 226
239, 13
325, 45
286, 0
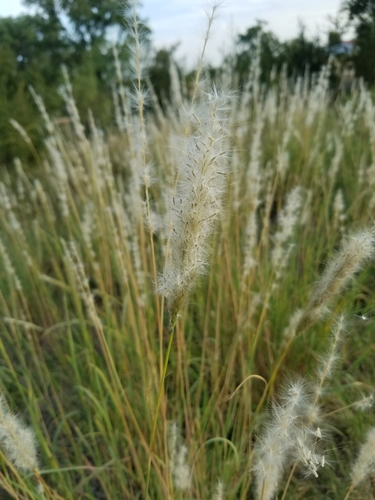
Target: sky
184, 21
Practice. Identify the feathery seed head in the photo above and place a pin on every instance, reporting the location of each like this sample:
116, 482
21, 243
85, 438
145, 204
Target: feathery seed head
294, 395
290, 331
365, 462
268, 471
219, 491
147, 178
197, 202
339, 215
173, 436
355, 250
304, 452
17, 126
17, 440
329, 360
287, 221
274, 447
365, 403
181, 470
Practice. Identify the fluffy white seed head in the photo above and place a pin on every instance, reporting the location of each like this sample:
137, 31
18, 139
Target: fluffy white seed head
365, 403
355, 250
173, 437
329, 360
335, 163
290, 331
365, 462
180, 468
275, 446
251, 241
294, 395
270, 461
324, 371
17, 440
339, 215
219, 491
288, 219
17, 126
196, 205
304, 452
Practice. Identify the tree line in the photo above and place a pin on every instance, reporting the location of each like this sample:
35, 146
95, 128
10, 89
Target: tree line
80, 35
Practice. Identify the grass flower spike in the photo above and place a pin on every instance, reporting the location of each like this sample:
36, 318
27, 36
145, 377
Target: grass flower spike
180, 468
274, 447
197, 202
365, 463
355, 249
17, 440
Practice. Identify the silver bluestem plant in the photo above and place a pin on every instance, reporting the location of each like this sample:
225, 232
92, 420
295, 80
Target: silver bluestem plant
195, 208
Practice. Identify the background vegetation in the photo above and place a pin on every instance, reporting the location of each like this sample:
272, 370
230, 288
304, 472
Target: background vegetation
80, 35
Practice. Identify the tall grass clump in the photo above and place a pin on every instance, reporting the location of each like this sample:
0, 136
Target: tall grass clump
186, 299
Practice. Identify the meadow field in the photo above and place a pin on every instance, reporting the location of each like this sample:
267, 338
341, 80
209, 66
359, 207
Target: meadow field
186, 301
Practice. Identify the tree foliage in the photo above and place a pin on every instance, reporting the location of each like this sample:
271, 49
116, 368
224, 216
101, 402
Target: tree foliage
362, 13
362, 9
295, 55
301, 53
78, 34
270, 51
31, 53
90, 19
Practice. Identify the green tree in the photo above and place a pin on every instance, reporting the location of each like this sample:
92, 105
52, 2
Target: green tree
90, 19
78, 34
297, 54
159, 73
362, 13
31, 53
270, 51
301, 53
